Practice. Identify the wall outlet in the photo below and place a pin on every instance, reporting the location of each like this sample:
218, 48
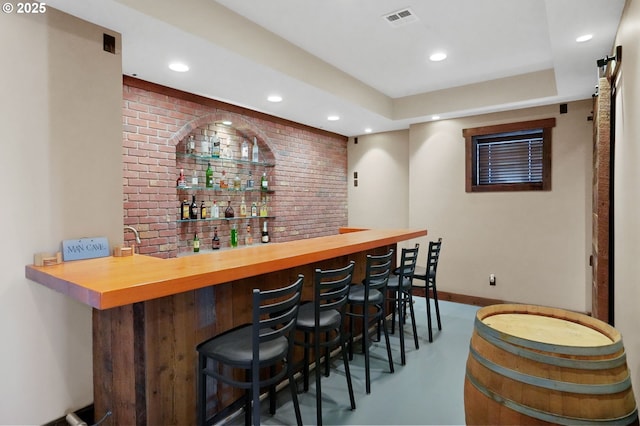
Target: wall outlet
492, 279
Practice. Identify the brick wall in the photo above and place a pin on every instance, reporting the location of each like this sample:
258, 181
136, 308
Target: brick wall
308, 177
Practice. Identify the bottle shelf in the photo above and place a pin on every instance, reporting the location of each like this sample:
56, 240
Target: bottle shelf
202, 158
219, 219
216, 188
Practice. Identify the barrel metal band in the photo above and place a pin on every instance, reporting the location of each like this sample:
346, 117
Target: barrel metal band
546, 416
599, 364
556, 385
484, 330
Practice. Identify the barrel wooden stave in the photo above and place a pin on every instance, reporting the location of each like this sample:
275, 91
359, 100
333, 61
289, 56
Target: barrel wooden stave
491, 397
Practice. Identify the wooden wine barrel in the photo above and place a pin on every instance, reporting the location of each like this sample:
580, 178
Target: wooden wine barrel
536, 365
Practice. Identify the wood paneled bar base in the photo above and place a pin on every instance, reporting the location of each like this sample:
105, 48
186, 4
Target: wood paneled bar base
150, 314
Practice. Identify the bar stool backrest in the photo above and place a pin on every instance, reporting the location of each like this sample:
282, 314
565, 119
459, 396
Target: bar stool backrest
407, 267
378, 271
432, 257
332, 289
277, 317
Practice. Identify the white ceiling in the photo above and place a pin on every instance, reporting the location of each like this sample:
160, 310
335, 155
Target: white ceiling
342, 57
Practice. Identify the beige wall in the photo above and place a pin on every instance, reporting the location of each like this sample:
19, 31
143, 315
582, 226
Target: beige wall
627, 201
537, 243
534, 242
62, 147
380, 200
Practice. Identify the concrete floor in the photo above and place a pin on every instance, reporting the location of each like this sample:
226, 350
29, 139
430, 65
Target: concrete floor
428, 390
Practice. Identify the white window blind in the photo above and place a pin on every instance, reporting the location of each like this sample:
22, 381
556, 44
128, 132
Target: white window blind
505, 159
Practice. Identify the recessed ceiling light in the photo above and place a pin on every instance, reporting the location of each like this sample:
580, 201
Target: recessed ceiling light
438, 56
274, 98
435, 117
368, 130
226, 123
584, 38
333, 118
179, 67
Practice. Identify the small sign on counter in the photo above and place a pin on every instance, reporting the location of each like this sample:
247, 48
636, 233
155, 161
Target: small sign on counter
85, 248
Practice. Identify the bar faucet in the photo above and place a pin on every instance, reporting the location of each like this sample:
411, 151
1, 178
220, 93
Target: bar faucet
135, 232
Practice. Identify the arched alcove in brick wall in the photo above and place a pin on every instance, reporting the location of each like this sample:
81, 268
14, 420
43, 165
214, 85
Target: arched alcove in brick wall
231, 136
309, 176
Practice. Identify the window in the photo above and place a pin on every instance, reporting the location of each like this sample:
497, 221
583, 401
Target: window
509, 157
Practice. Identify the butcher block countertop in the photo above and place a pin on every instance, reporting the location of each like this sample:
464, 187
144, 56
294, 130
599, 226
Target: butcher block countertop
110, 282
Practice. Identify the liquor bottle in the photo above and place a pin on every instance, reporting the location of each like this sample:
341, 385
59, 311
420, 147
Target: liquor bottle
226, 150
194, 179
215, 242
229, 211
215, 145
203, 211
243, 208
254, 151
248, 238
216, 210
236, 183
250, 182
181, 182
193, 212
263, 209
196, 243
234, 236
209, 176
265, 233
223, 181
245, 150
204, 145
191, 145
185, 207
264, 183
254, 209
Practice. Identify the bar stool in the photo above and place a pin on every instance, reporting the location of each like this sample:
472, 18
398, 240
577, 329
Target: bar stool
371, 294
428, 276
266, 342
401, 291
324, 316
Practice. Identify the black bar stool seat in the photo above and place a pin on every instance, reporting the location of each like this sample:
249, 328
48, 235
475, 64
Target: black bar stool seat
265, 343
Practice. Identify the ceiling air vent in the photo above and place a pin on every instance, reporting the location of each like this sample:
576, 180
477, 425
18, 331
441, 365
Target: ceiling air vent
400, 17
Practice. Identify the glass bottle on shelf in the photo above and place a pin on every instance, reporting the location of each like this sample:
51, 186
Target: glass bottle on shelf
263, 209
203, 210
215, 145
193, 211
209, 175
236, 183
181, 182
215, 210
243, 208
190, 145
185, 207
254, 151
215, 242
223, 181
226, 151
248, 238
234, 236
194, 179
264, 182
228, 213
254, 209
204, 145
196, 243
265, 233
245, 150
250, 181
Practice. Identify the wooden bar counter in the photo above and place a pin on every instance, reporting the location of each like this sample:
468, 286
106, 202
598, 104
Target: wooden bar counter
150, 314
